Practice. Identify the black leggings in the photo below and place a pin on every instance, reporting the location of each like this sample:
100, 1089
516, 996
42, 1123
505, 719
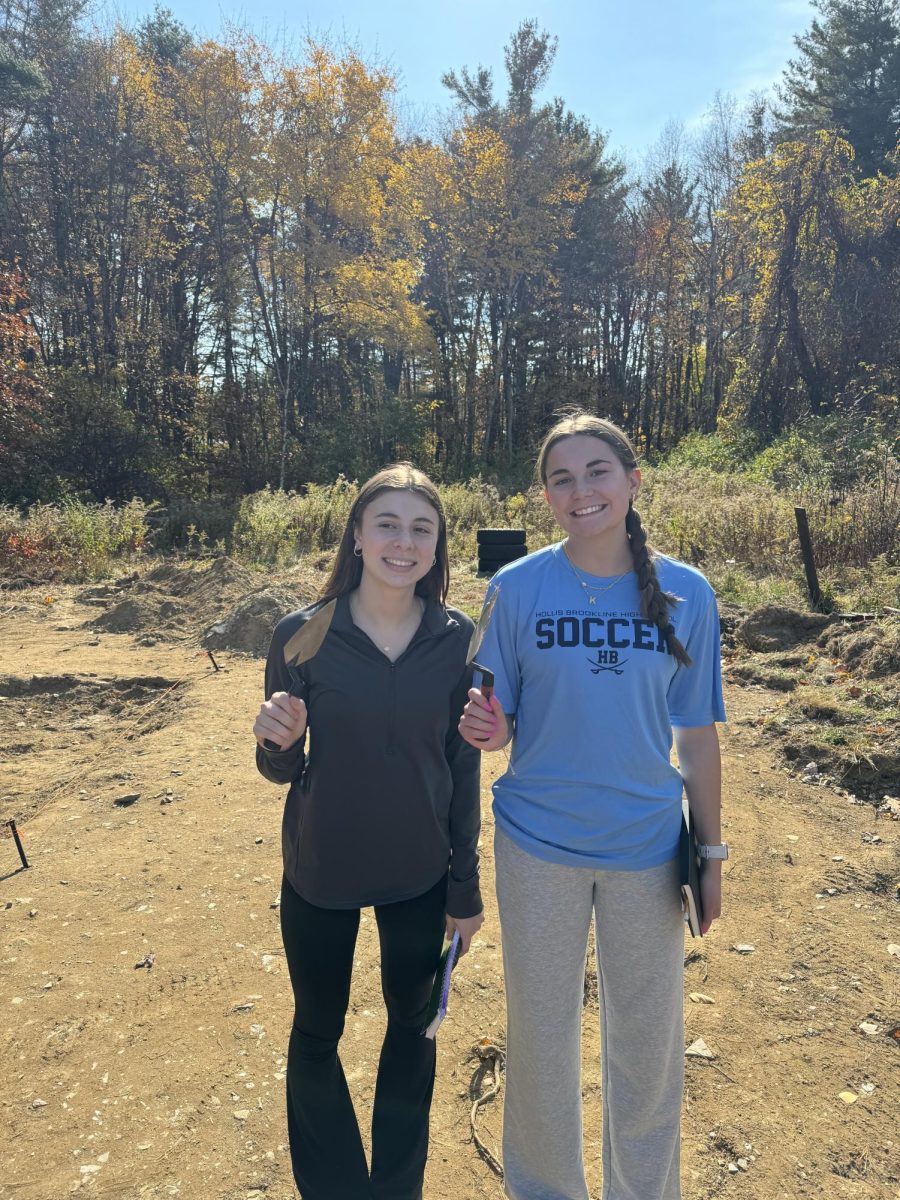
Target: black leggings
326, 1149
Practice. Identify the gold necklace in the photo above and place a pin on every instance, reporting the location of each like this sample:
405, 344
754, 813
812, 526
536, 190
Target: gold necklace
401, 633
591, 592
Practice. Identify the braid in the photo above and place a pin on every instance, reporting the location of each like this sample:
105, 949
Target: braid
655, 603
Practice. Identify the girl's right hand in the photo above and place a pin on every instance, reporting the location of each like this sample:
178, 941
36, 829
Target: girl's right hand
483, 723
281, 720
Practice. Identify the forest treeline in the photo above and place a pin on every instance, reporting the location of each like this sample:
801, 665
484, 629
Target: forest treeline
225, 266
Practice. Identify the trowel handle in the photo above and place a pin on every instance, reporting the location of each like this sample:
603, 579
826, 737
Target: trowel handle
299, 689
487, 680
298, 686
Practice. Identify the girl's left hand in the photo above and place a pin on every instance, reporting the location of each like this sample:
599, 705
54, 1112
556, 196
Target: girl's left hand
467, 926
711, 893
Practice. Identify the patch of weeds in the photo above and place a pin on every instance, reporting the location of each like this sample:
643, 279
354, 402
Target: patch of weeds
822, 704
750, 672
736, 583
853, 737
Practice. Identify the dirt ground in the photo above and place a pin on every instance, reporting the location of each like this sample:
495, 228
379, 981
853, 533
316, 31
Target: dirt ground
144, 998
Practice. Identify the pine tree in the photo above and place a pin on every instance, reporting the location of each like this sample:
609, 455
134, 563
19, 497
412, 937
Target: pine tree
847, 79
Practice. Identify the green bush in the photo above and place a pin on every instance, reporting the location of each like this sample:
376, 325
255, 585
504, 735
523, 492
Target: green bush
274, 528
72, 541
194, 525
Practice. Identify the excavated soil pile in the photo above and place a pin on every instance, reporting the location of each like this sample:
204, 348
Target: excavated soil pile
248, 627
873, 651
170, 602
839, 718
773, 628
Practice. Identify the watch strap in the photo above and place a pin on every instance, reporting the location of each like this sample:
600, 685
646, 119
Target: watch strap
719, 851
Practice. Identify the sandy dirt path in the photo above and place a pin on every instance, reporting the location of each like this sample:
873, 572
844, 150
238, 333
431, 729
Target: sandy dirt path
167, 1080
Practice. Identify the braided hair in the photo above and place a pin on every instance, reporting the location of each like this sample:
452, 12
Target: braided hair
656, 604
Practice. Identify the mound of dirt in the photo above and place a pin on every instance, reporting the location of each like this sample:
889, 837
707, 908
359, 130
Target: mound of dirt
128, 616
248, 628
223, 575
775, 628
171, 601
730, 617
872, 651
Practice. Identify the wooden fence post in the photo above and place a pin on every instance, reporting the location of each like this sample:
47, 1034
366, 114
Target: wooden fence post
809, 563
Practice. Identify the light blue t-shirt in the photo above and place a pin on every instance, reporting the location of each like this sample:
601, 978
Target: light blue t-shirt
595, 694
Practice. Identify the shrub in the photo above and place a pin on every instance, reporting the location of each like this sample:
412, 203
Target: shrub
72, 541
275, 527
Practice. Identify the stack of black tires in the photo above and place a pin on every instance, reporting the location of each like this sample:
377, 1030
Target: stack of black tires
499, 546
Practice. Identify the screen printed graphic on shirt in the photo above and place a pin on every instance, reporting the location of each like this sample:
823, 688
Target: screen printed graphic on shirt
612, 638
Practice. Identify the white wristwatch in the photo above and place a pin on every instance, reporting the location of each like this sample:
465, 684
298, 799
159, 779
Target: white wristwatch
720, 851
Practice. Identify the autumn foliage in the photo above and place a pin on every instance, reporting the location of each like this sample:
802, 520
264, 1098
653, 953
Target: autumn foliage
244, 271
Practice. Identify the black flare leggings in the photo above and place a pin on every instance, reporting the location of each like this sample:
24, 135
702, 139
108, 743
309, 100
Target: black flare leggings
327, 1153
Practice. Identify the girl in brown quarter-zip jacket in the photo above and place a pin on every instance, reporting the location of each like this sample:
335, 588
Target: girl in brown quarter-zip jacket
383, 811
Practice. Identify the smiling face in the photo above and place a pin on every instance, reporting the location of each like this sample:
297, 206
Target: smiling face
587, 486
397, 535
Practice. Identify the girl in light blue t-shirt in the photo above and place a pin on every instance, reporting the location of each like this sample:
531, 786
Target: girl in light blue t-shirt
600, 649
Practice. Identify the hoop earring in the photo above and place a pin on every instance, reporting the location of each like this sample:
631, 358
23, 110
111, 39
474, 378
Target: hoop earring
434, 561
357, 551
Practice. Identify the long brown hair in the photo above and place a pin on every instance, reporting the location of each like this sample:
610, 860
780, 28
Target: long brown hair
347, 568
655, 603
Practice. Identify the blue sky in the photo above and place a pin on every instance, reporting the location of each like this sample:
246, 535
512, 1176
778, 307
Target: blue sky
630, 68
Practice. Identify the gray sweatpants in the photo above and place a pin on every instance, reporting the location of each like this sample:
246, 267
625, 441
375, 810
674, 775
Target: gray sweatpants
545, 916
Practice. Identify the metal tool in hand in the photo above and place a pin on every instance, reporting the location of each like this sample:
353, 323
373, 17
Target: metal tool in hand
301, 647
487, 676
304, 645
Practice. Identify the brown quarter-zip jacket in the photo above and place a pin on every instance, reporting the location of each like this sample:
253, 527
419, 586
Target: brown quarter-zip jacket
387, 798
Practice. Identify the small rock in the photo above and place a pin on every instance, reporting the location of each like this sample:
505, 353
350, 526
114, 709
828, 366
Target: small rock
699, 1049
867, 1089
869, 1028
258, 841
743, 1164
733, 1168
126, 800
147, 961
743, 948
701, 998
32, 912
894, 949
837, 858
848, 1097
241, 1114
810, 771
39, 1104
